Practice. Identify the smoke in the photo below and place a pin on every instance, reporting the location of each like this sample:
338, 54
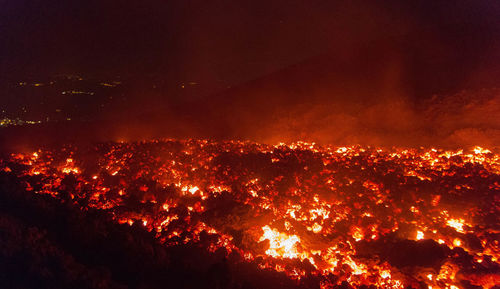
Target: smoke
460, 120
464, 119
469, 119
341, 73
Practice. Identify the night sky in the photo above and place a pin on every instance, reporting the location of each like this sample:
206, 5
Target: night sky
228, 41
279, 60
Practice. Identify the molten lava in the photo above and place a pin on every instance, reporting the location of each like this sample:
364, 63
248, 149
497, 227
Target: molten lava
389, 218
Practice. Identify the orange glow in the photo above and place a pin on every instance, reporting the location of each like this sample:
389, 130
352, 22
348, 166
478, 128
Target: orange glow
458, 224
281, 245
299, 209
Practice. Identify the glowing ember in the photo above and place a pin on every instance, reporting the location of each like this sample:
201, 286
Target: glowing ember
393, 219
281, 245
458, 224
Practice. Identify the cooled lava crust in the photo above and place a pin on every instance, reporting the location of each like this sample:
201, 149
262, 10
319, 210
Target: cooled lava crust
203, 214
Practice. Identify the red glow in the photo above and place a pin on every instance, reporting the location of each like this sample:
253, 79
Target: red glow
303, 209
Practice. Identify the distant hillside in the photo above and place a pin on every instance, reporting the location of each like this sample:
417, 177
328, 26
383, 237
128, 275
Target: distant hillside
378, 89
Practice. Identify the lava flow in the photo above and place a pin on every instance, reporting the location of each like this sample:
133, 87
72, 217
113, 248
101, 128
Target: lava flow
397, 218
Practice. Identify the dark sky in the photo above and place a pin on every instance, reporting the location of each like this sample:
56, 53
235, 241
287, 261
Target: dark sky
207, 41
341, 72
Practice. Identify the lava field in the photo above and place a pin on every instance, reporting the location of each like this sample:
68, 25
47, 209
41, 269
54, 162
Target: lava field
248, 215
